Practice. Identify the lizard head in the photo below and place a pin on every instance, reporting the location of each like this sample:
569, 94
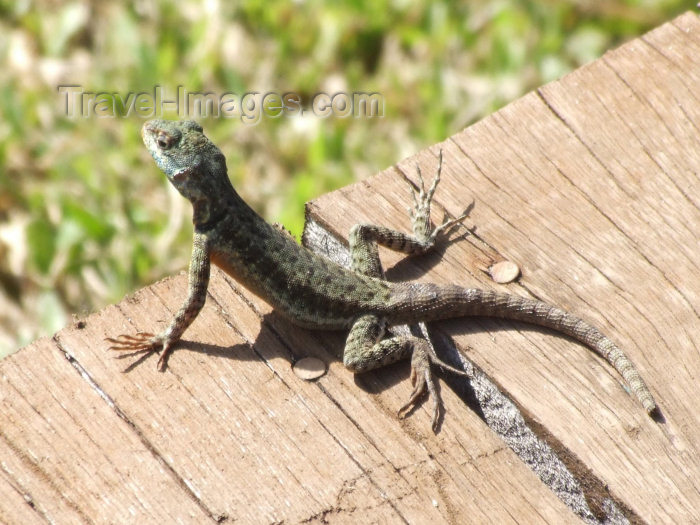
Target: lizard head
192, 163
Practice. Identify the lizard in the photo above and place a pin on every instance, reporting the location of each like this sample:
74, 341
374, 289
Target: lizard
314, 292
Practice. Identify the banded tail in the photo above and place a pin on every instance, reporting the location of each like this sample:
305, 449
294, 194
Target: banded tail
431, 302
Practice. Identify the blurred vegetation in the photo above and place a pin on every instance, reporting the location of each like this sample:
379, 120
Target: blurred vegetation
86, 217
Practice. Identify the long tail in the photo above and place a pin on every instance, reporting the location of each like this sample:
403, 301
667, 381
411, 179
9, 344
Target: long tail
433, 302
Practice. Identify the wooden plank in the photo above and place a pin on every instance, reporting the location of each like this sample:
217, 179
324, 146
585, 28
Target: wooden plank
67, 457
255, 443
591, 185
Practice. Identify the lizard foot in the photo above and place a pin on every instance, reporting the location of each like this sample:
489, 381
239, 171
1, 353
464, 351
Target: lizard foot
422, 360
141, 343
420, 212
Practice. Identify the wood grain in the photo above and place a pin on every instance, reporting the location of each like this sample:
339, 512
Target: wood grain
590, 184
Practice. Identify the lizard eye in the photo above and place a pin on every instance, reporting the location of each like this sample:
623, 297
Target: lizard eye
164, 140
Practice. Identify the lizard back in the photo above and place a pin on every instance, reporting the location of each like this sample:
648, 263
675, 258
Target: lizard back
309, 289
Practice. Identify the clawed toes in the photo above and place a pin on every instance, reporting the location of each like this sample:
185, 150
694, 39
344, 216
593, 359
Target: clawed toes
142, 341
163, 361
448, 224
422, 198
422, 359
422, 379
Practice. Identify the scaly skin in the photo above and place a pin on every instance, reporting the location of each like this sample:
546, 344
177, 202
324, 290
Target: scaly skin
316, 293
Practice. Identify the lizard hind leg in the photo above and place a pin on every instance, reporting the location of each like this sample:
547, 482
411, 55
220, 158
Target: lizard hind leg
423, 358
366, 350
364, 238
420, 212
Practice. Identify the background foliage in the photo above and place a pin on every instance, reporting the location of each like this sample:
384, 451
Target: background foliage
85, 217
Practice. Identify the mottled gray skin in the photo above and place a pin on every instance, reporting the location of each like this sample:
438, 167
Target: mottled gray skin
314, 292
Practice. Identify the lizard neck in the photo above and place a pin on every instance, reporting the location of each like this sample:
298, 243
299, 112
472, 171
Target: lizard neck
217, 201
204, 215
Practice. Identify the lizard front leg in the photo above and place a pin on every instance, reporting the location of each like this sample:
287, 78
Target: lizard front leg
196, 296
366, 350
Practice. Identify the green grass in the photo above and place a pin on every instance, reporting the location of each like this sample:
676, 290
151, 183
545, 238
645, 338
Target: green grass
86, 217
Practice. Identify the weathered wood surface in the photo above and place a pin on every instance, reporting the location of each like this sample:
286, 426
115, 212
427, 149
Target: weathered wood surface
590, 184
